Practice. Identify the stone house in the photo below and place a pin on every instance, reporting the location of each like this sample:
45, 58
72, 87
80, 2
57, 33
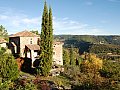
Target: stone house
26, 44
3, 43
57, 53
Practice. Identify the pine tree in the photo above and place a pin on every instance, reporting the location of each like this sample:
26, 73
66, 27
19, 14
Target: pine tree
46, 42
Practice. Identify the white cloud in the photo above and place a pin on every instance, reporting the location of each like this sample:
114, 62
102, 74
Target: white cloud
67, 26
20, 21
3, 17
31, 21
15, 21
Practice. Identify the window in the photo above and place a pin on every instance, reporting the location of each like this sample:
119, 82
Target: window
53, 53
31, 41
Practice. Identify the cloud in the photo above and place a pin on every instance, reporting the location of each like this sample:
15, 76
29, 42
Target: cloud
67, 26
31, 21
3, 17
16, 21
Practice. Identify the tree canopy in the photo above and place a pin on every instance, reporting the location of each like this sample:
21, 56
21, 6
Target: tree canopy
3, 32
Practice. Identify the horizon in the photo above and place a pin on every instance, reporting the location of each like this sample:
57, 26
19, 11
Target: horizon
80, 17
70, 34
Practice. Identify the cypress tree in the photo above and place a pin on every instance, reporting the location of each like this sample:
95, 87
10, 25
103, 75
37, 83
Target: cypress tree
50, 38
66, 57
46, 42
72, 59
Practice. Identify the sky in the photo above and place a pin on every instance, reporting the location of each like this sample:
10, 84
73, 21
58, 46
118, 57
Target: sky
75, 17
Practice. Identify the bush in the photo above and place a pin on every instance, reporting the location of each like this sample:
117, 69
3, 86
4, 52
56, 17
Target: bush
8, 68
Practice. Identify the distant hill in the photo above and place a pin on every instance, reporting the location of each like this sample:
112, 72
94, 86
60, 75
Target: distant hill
91, 43
112, 39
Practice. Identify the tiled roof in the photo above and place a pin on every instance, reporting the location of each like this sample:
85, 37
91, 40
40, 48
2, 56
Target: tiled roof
33, 46
24, 34
2, 40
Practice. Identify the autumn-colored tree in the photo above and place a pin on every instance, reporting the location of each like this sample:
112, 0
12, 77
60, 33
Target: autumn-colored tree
91, 63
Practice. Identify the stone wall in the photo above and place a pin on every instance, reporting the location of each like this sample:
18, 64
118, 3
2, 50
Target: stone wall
20, 42
57, 53
27, 40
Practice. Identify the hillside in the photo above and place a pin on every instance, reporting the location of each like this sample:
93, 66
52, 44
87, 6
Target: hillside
112, 39
91, 43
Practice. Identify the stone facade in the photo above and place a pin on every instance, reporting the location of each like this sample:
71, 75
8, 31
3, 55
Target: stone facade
57, 53
18, 41
26, 45
26, 41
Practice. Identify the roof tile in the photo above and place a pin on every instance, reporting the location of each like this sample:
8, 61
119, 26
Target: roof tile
24, 34
33, 46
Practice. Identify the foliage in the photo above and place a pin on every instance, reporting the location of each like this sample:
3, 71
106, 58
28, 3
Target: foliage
91, 63
71, 56
79, 61
24, 84
85, 76
111, 72
8, 67
35, 32
2, 50
4, 86
111, 39
92, 44
111, 69
90, 80
72, 60
3, 32
66, 57
46, 42
50, 37
104, 48
71, 72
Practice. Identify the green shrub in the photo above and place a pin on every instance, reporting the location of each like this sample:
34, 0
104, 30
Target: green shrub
8, 68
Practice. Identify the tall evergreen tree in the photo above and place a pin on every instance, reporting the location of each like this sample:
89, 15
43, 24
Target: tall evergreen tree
72, 59
46, 42
66, 57
50, 57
